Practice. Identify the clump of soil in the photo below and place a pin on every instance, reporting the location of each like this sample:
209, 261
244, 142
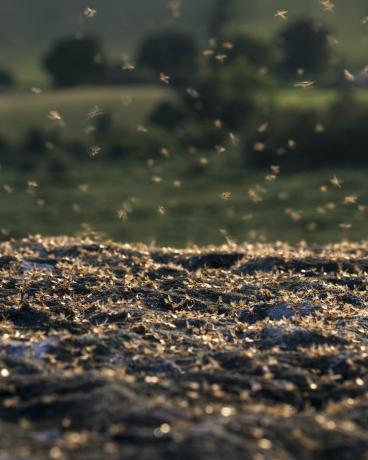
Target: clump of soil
112, 351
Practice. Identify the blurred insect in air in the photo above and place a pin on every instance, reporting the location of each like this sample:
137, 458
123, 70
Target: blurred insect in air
164, 78
95, 112
94, 151
304, 85
348, 75
175, 8
327, 6
55, 117
90, 12
281, 15
336, 182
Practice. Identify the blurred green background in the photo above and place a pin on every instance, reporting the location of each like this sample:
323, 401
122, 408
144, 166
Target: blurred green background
28, 28
187, 121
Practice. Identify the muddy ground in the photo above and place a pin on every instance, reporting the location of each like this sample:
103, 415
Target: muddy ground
239, 352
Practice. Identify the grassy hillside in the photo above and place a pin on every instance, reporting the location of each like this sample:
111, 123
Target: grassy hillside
27, 28
128, 106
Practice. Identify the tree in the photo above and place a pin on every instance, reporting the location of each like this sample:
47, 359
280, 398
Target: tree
221, 17
229, 94
305, 46
167, 115
75, 61
6, 79
171, 53
255, 51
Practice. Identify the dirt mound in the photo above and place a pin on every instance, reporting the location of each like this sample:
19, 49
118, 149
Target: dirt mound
245, 352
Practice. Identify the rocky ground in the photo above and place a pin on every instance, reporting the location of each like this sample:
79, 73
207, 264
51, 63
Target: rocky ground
111, 351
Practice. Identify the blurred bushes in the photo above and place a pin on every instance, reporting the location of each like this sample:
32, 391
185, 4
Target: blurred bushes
221, 18
135, 146
256, 52
41, 150
80, 61
7, 80
305, 45
75, 61
168, 115
294, 140
225, 97
216, 100
204, 135
172, 53
310, 139
229, 94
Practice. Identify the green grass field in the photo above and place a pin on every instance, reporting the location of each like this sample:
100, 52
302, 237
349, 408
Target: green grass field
293, 207
127, 105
